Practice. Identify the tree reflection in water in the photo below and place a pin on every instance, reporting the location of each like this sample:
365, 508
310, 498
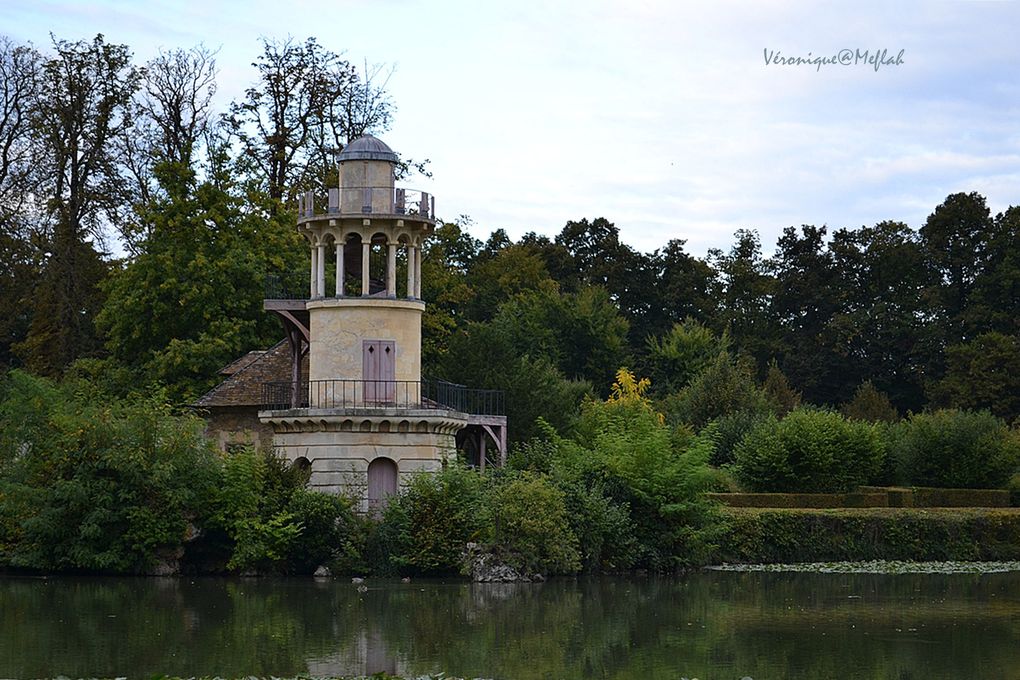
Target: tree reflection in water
711, 624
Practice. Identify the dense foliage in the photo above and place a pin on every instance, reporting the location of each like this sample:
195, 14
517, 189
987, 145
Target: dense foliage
872, 321
98, 486
955, 449
94, 483
809, 451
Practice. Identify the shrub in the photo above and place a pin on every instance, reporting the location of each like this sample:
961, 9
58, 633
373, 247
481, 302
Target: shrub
956, 449
100, 486
328, 530
870, 405
781, 396
809, 451
723, 387
682, 353
603, 526
530, 528
427, 526
250, 508
623, 448
798, 535
726, 432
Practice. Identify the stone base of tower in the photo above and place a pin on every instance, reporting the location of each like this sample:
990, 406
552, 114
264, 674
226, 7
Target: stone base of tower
341, 446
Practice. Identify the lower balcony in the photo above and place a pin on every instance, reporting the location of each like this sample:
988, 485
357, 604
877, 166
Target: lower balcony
359, 395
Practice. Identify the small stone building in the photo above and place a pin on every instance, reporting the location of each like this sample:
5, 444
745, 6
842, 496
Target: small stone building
231, 409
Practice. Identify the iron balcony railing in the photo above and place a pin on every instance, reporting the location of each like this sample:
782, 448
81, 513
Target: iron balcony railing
401, 394
293, 286
369, 200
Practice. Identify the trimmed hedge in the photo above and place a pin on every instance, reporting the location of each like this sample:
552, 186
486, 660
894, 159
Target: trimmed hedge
961, 498
932, 497
807, 535
873, 499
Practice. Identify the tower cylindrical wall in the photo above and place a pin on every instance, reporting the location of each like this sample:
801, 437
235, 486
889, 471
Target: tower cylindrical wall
339, 327
366, 183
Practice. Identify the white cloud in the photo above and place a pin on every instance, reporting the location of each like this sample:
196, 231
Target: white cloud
660, 116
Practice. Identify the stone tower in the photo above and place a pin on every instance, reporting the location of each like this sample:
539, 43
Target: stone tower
363, 420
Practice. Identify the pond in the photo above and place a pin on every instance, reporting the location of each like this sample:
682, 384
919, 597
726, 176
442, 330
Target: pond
711, 624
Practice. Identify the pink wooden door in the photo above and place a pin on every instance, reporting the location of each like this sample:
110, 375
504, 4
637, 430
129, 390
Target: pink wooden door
379, 368
382, 483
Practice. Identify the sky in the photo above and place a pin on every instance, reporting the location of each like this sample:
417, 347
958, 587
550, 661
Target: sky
672, 120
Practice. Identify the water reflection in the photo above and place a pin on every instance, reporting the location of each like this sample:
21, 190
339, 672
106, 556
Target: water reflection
707, 625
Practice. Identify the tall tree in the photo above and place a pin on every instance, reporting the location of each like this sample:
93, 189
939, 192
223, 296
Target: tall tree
804, 303
956, 241
85, 95
596, 257
306, 106
682, 288
191, 300
882, 276
20, 67
172, 115
995, 300
743, 289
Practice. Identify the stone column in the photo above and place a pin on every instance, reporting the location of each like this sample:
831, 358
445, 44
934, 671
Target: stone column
312, 274
417, 273
320, 275
366, 250
339, 268
410, 271
391, 269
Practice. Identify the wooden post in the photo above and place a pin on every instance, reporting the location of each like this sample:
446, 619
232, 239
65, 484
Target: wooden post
481, 451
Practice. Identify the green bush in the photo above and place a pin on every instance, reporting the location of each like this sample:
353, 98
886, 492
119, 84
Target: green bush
101, 486
727, 431
603, 525
250, 508
681, 354
623, 450
955, 449
870, 405
809, 451
529, 526
329, 531
781, 396
424, 530
723, 387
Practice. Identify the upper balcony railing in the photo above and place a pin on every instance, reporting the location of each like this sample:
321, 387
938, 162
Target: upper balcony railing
370, 201
291, 286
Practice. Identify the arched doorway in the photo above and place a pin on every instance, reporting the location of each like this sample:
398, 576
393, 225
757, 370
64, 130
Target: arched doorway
382, 483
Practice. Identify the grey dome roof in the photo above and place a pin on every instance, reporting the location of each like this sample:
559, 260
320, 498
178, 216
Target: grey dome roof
367, 148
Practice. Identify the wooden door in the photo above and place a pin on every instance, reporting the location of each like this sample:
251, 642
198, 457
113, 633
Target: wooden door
379, 369
382, 483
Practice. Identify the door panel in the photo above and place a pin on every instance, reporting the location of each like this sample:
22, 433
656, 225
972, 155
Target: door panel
382, 483
379, 369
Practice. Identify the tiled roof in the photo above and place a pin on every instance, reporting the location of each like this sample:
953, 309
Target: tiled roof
244, 386
237, 364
